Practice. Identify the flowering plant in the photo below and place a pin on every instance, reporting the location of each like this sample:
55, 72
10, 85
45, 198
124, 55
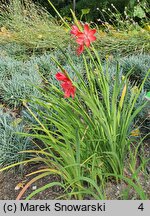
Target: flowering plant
83, 38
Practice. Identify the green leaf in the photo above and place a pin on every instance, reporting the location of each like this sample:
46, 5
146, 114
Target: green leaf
139, 12
16, 122
85, 11
49, 185
147, 96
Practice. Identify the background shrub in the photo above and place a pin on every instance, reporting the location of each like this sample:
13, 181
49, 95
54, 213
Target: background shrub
64, 6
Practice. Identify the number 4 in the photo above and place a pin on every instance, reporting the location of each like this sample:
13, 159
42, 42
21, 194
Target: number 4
141, 207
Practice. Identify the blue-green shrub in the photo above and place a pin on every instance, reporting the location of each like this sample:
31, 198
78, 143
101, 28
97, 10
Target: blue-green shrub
8, 67
15, 51
17, 81
139, 64
12, 143
48, 68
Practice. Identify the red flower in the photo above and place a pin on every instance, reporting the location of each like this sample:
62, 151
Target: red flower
87, 36
80, 49
69, 89
61, 77
75, 31
83, 38
66, 85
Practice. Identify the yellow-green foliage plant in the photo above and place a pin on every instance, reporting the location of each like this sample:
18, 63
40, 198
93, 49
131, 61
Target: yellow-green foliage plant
30, 25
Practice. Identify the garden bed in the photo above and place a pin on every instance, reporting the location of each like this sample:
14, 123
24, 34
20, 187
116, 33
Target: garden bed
10, 179
74, 117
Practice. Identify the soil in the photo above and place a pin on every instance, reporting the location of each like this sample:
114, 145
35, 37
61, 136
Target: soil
10, 179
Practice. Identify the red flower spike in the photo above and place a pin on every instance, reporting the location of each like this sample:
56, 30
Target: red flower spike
66, 85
